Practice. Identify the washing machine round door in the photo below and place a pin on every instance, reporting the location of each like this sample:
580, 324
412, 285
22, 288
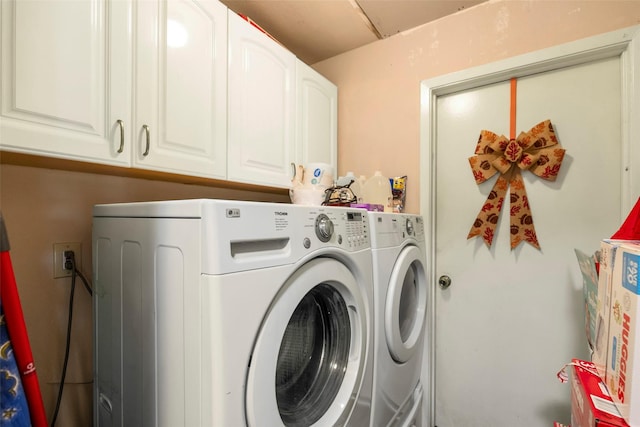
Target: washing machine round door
309, 358
406, 302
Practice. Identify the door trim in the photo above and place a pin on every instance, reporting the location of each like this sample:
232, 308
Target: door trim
624, 43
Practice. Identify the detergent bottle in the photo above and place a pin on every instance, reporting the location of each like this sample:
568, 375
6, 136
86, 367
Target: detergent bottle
377, 190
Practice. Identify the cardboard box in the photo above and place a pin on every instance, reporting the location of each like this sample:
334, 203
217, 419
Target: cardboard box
587, 265
368, 206
608, 248
623, 367
591, 404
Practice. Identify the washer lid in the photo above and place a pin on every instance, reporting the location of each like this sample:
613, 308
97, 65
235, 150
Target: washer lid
308, 361
404, 314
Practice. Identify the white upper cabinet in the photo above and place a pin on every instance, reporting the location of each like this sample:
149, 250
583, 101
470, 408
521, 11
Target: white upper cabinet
181, 87
261, 107
66, 79
178, 86
317, 117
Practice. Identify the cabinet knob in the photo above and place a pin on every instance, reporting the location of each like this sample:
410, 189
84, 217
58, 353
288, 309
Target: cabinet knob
145, 128
121, 126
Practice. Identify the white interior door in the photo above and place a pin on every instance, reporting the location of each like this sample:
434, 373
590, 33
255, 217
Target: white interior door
512, 318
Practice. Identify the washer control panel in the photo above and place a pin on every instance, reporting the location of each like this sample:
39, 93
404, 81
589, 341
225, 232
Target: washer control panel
357, 229
324, 228
335, 226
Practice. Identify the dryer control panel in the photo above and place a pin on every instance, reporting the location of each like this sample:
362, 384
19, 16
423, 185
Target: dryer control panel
393, 229
414, 226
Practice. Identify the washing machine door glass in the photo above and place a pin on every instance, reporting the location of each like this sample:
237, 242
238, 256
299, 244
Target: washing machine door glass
406, 304
309, 358
313, 356
407, 313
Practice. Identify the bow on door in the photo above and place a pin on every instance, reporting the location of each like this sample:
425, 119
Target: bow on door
537, 151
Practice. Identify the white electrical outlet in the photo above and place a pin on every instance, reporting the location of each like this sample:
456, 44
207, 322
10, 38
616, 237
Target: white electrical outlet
59, 269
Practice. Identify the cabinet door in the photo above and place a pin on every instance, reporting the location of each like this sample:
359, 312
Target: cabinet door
317, 117
66, 70
261, 107
180, 91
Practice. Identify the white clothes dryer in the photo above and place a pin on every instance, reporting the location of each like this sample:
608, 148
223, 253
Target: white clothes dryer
227, 313
400, 304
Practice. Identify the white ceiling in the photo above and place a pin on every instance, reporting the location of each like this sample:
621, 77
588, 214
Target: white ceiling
315, 30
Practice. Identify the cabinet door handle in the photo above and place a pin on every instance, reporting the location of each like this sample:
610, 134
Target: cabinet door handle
121, 126
146, 131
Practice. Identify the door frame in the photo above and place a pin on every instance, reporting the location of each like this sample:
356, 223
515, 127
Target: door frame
624, 43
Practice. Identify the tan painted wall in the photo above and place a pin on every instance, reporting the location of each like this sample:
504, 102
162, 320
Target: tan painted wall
379, 84
42, 207
379, 129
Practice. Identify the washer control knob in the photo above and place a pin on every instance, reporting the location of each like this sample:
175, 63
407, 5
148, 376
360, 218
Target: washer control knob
324, 228
409, 227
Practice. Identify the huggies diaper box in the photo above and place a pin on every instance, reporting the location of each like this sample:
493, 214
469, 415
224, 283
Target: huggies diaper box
608, 248
591, 405
623, 360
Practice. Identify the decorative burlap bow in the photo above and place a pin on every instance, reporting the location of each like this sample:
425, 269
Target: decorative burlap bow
537, 151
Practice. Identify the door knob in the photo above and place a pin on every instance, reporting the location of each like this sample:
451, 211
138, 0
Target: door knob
444, 282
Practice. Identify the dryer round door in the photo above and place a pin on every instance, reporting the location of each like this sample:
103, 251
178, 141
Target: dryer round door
309, 358
406, 302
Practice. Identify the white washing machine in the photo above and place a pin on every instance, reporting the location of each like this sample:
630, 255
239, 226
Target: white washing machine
400, 303
226, 313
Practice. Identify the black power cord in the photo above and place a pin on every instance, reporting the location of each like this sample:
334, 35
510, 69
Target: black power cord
70, 264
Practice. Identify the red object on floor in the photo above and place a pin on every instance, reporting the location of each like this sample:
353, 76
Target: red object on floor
630, 229
591, 404
17, 331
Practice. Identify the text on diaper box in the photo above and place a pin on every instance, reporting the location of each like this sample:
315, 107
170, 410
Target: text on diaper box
630, 272
624, 355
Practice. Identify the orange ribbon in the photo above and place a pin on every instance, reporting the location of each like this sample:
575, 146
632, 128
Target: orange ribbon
537, 151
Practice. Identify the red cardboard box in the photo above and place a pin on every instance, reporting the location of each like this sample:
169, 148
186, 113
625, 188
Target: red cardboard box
591, 404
